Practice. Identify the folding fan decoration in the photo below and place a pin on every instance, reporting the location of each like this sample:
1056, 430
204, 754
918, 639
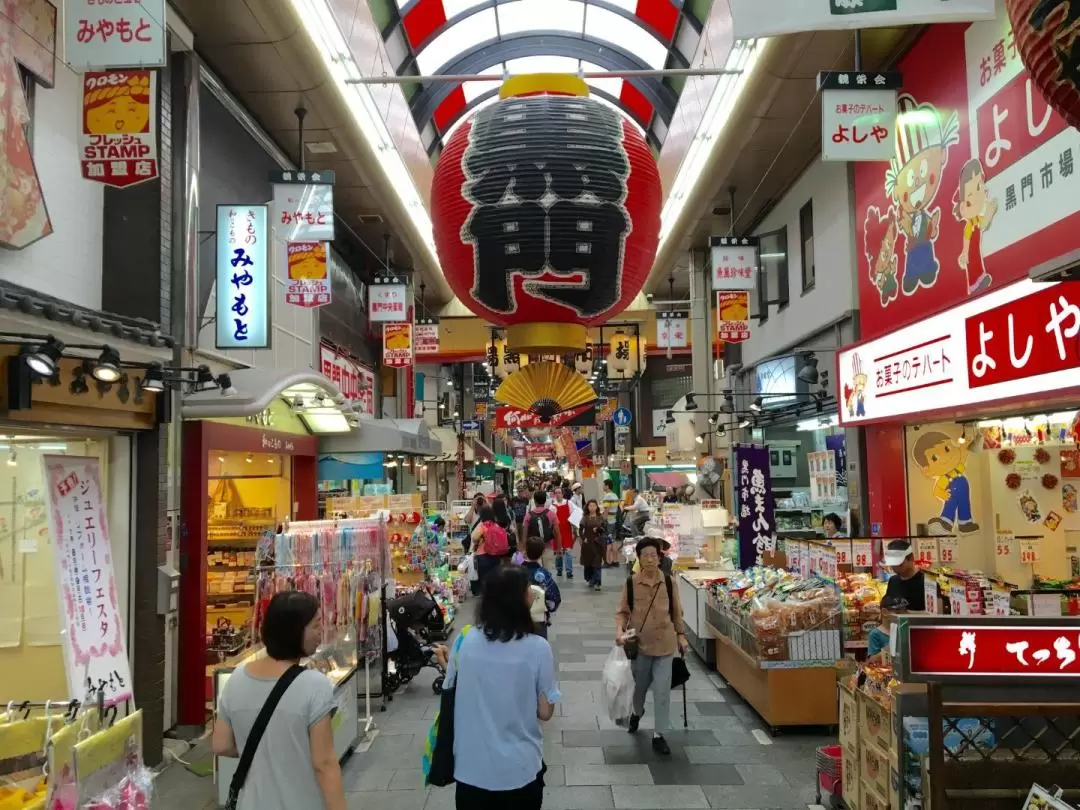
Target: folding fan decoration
545, 389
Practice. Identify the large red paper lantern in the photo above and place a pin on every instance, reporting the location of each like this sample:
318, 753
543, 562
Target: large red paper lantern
1047, 35
546, 212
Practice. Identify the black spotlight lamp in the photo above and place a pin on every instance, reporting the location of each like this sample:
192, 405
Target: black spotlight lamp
809, 372
224, 382
728, 405
204, 376
154, 379
691, 403
43, 359
714, 418
721, 432
107, 367
757, 404
745, 423
700, 438
669, 419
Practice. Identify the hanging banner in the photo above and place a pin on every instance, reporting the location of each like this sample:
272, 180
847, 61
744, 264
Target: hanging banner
388, 303
356, 382
733, 316
118, 142
858, 115
303, 208
92, 635
734, 262
309, 275
796, 16
507, 417
243, 278
426, 336
120, 33
397, 345
672, 330
757, 535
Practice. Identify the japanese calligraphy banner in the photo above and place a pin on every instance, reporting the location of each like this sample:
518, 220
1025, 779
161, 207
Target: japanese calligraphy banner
99, 34
673, 330
95, 654
797, 16
397, 345
992, 650
857, 124
426, 336
118, 140
507, 416
303, 212
757, 535
309, 275
734, 262
243, 278
388, 303
733, 316
355, 382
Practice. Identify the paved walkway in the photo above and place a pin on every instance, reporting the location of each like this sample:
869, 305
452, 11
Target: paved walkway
724, 759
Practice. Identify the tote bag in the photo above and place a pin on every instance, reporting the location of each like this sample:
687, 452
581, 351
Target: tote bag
437, 761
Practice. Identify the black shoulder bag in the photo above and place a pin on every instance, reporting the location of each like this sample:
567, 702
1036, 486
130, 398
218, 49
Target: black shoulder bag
257, 731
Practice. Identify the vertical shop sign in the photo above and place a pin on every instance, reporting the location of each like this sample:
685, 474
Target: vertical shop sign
356, 383
118, 144
858, 115
388, 303
303, 208
838, 445
397, 345
104, 34
757, 535
426, 336
309, 275
673, 330
95, 655
733, 316
243, 278
735, 263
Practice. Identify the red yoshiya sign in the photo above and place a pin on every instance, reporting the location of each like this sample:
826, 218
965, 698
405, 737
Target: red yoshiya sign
994, 651
507, 416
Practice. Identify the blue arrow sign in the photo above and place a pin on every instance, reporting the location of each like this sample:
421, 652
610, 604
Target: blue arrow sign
471, 426
622, 417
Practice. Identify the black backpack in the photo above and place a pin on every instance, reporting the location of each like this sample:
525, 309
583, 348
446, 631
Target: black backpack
547, 530
667, 584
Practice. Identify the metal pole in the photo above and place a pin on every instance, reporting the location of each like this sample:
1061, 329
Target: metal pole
858, 49
457, 78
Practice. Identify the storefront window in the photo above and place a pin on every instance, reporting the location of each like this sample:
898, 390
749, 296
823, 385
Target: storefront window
805, 487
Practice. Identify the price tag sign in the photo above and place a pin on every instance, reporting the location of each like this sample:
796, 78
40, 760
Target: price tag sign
863, 552
948, 549
930, 592
804, 559
1000, 603
828, 563
792, 551
926, 549
815, 560
1029, 551
843, 553
957, 600
1003, 544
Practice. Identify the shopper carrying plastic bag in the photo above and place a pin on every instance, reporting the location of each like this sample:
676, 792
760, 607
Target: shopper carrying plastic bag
618, 681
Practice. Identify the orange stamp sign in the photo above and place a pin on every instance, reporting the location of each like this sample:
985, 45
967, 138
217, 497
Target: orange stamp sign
309, 275
397, 344
733, 316
118, 143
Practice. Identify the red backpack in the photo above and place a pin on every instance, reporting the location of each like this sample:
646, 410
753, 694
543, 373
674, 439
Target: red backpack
496, 543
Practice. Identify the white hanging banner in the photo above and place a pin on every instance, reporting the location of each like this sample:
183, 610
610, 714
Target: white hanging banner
751, 21
388, 303
734, 261
111, 33
672, 330
858, 115
303, 208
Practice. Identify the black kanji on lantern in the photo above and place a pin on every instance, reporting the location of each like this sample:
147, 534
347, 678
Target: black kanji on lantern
547, 179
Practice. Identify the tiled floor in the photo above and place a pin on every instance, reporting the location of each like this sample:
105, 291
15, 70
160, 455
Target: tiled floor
718, 761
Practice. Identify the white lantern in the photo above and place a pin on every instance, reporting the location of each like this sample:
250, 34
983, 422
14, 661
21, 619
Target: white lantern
624, 356
503, 360
583, 362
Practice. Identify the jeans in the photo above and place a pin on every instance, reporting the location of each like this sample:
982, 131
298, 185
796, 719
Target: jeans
655, 671
958, 505
564, 557
592, 575
485, 564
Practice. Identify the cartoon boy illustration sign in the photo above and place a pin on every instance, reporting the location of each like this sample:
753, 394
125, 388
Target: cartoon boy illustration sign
973, 206
879, 248
912, 181
941, 459
855, 394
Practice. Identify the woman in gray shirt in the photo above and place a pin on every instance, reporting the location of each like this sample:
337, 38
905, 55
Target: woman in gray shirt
295, 760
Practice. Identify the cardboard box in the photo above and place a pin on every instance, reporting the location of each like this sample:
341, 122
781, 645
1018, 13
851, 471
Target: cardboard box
894, 789
870, 798
849, 719
874, 767
875, 723
850, 776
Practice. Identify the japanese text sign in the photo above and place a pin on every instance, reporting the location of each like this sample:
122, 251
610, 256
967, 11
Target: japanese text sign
101, 34
304, 212
796, 16
243, 277
95, 654
993, 650
118, 140
733, 316
356, 383
426, 336
734, 262
926, 550
397, 345
507, 416
309, 275
857, 124
388, 303
1029, 550
1018, 340
757, 534
672, 330
862, 552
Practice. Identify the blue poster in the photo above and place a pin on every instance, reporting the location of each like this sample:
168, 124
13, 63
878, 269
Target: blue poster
757, 525
838, 445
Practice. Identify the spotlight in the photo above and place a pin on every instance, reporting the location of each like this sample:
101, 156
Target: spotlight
809, 372
714, 418
13, 460
456, 414
757, 404
297, 403
107, 367
154, 379
728, 405
700, 438
721, 432
224, 382
203, 375
669, 419
745, 423
44, 358
449, 383
249, 458
691, 403
320, 399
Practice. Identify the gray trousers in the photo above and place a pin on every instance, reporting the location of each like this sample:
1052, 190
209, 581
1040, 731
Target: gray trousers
655, 671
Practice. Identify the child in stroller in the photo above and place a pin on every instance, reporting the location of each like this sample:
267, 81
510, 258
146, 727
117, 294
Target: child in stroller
417, 623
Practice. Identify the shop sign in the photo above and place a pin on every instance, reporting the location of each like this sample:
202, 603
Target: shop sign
1003, 650
388, 303
1016, 341
733, 317
95, 655
102, 34
309, 275
734, 262
796, 16
757, 533
397, 345
673, 330
537, 450
243, 278
858, 115
426, 335
356, 383
507, 417
303, 207
118, 142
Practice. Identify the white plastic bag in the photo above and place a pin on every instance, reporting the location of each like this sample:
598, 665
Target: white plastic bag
473, 574
618, 681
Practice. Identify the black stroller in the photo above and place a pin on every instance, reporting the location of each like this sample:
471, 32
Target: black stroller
417, 621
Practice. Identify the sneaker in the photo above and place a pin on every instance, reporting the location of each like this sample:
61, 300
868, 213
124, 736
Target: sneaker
632, 723
660, 745
569, 576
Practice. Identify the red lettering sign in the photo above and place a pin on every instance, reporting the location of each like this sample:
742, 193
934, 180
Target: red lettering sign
1012, 123
507, 417
994, 650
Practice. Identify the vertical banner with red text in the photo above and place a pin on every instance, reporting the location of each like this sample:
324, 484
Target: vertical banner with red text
309, 275
118, 141
733, 316
426, 337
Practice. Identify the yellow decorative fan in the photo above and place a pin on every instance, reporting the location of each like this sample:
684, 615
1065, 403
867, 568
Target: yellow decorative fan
545, 389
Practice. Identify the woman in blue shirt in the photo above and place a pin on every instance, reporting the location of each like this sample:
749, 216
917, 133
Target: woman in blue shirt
505, 680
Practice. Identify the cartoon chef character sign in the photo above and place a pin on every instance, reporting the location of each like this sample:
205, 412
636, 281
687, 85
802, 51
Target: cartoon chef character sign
879, 248
855, 393
913, 179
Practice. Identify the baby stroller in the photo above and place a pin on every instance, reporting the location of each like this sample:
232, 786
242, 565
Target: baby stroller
416, 620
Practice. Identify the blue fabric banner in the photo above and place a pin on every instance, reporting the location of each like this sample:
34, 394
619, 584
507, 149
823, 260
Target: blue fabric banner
838, 445
757, 526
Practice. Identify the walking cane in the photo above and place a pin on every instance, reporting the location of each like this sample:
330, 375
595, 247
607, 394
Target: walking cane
685, 724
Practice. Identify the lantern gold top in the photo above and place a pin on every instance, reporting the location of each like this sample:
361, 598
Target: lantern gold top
563, 84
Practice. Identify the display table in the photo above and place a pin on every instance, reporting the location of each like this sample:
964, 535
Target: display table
694, 596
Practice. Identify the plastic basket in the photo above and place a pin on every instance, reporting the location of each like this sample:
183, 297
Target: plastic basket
829, 759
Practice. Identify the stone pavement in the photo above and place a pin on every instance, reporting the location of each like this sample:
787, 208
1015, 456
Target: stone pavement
724, 759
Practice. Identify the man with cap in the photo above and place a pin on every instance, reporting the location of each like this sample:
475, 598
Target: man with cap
905, 588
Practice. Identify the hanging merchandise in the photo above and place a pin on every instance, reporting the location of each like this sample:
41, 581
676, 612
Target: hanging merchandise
109, 769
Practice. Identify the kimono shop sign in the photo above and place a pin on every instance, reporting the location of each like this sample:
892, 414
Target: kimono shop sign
309, 275
397, 345
507, 417
120, 33
95, 655
356, 383
118, 141
795, 16
734, 262
243, 273
426, 336
303, 208
388, 303
949, 651
858, 115
757, 535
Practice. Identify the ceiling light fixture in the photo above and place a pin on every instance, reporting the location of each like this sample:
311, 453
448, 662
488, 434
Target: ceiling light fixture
44, 358
691, 403
107, 367
203, 375
700, 438
809, 372
728, 405
745, 423
224, 382
249, 458
13, 460
714, 418
154, 379
757, 404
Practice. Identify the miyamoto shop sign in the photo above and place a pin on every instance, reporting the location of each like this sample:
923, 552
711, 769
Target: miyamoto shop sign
243, 278
858, 115
118, 139
114, 33
303, 207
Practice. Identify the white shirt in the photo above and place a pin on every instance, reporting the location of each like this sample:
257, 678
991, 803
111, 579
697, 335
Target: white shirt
642, 505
